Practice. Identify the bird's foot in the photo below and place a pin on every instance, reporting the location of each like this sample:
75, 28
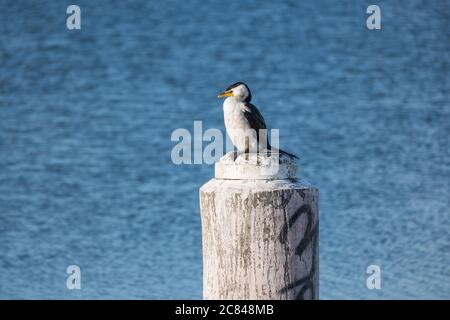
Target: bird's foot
236, 154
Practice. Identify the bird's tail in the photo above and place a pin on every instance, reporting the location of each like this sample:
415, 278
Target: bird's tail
282, 152
288, 154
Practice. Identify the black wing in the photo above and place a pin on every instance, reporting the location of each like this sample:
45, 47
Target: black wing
254, 118
256, 121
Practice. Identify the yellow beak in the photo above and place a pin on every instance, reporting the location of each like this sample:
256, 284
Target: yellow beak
225, 94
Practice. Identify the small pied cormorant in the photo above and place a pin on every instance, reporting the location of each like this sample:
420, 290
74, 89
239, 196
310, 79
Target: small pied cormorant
240, 116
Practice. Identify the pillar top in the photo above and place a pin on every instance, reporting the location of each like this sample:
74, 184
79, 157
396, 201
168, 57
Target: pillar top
256, 166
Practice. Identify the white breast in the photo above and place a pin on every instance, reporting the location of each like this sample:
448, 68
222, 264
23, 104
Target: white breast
237, 125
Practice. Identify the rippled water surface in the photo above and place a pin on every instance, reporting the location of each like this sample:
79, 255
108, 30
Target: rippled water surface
86, 118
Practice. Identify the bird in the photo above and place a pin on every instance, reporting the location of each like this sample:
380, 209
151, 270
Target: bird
244, 123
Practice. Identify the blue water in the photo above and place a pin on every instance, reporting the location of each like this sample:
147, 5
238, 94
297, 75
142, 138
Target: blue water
86, 118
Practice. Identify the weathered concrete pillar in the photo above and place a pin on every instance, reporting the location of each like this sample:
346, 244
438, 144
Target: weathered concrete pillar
260, 231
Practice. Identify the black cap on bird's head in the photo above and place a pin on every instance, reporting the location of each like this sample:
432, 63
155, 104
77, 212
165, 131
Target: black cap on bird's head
239, 90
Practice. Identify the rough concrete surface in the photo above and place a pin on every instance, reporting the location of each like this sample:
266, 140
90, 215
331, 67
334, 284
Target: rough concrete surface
260, 239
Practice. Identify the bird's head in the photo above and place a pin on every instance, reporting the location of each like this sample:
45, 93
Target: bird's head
239, 91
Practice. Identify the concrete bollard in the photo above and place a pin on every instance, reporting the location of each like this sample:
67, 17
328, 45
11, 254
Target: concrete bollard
259, 230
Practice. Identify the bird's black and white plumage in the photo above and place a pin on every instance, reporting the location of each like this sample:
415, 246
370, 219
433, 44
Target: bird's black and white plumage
244, 123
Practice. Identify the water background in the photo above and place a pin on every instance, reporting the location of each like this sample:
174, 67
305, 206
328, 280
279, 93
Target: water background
86, 118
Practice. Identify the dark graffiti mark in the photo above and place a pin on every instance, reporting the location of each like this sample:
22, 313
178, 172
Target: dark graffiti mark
310, 236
